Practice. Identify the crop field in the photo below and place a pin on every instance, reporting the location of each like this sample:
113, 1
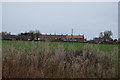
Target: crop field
28, 59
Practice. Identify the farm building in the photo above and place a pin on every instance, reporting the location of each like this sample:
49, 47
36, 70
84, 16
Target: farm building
79, 38
62, 37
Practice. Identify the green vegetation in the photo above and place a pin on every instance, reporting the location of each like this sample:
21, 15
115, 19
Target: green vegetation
55, 45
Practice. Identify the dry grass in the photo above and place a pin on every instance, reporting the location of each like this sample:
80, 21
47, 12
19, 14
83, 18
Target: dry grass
0, 60
43, 62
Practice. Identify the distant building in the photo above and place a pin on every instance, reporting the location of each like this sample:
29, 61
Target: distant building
79, 38
50, 37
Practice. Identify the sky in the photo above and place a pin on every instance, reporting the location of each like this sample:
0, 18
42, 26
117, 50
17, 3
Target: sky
0, 16
119, 20
86, 18
59, 0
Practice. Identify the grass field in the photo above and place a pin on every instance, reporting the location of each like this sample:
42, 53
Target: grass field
59, 60
55, 45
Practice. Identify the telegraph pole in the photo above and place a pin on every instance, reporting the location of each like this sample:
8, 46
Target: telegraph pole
72, 34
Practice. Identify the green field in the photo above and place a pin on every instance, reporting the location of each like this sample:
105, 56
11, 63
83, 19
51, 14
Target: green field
28, 46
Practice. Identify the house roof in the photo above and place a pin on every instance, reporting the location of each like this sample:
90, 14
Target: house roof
74, 36
65, 36
52, 36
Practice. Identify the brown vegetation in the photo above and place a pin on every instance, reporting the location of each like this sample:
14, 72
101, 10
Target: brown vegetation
43, 62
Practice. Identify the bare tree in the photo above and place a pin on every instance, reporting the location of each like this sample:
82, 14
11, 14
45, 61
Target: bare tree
31, 31
101, 34
37, 34
108, 34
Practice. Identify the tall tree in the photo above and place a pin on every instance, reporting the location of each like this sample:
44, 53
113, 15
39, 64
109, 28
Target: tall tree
107, 34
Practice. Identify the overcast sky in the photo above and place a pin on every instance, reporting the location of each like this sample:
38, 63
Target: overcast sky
88, 18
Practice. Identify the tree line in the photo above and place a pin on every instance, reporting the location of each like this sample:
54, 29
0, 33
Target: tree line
104, 37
